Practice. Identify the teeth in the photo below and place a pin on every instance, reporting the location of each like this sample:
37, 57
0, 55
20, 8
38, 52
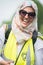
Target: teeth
25, 21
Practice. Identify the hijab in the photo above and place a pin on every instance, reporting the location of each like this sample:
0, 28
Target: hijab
25, 33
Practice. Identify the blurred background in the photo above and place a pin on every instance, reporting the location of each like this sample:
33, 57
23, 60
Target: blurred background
8, 8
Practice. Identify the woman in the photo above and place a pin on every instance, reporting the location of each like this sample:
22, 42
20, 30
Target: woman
19, 46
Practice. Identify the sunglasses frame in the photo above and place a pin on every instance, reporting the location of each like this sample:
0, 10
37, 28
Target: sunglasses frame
23, 13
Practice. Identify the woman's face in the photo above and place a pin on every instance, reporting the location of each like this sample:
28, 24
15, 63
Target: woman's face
26, 16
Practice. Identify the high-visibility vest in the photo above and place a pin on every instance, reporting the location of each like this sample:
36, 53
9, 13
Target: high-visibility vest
10, 50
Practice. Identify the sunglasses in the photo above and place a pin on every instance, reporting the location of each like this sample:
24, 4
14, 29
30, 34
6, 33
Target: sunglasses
23, 13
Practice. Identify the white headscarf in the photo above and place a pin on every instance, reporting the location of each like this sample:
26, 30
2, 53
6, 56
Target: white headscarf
33, 26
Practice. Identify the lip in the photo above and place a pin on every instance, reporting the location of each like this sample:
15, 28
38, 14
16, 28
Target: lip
25, 23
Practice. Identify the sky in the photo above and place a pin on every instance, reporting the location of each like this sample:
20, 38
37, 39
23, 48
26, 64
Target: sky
8, 7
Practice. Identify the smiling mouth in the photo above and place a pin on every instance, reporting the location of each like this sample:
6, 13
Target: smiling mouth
26, 21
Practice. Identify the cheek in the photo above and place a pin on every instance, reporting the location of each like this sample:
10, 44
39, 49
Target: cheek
21, 18
31, 20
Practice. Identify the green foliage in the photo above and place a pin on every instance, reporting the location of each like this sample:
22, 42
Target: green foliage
40, 17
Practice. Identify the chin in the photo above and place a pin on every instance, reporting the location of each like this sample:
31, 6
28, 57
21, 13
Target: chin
24, 26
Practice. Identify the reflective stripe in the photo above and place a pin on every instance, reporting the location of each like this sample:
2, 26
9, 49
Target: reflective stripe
11, 48
41, 37
32, 57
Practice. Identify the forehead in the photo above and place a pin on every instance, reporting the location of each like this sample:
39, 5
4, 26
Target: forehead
29, 9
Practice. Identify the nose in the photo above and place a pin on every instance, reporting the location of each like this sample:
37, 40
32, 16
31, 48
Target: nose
26, 16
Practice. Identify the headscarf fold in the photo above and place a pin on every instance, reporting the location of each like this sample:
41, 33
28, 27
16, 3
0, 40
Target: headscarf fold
33, 26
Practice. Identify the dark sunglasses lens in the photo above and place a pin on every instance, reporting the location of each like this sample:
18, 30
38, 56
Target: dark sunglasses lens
32, 14
23, 13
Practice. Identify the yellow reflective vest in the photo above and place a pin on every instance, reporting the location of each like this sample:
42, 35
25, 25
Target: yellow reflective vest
10, 50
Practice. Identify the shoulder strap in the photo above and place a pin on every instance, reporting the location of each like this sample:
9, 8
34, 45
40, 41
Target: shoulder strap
7, 33
34, 37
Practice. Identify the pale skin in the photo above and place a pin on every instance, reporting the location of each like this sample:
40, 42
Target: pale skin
25, 21
5, 62
26, 18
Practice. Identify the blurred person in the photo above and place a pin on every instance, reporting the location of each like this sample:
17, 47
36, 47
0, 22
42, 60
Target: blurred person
24, 45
